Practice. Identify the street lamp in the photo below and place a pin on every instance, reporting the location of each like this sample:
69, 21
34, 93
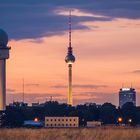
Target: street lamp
120, 120
36, 120
130, 121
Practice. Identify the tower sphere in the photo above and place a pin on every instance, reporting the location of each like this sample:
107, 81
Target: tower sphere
3, 38
70, 58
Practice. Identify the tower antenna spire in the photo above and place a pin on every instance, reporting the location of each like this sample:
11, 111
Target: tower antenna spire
69, 28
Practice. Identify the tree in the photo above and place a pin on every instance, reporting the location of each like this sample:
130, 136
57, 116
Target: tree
129, 112
108, 113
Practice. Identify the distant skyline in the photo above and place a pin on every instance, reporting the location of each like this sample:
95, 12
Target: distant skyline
105, 41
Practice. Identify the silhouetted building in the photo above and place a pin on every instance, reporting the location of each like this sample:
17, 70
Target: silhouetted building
127, 95
35, 104
18, 104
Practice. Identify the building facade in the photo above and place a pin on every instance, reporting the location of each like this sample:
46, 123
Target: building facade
93, 123
127, 95
61, 122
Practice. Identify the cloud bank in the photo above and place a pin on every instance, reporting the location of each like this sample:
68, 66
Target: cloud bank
81, 86
35, 19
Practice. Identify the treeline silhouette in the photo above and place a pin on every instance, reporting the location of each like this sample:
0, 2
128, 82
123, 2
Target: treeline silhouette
106, 113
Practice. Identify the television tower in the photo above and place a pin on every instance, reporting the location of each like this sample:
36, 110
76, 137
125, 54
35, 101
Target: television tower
4, 54
70, 59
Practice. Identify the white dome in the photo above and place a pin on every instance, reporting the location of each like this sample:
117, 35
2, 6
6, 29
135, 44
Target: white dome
3, 38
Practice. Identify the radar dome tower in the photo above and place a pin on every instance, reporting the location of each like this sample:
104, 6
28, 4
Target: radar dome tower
4, 54
70, 59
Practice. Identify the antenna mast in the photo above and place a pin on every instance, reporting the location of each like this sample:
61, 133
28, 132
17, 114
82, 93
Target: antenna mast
23, 90
70, 28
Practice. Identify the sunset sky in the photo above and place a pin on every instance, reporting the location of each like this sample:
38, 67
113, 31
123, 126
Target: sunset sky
105, 41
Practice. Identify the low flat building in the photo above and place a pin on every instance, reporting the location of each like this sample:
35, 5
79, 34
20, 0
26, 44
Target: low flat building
61, 121
93, 123
31, 123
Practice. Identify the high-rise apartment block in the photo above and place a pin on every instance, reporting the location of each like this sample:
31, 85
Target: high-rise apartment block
127, 95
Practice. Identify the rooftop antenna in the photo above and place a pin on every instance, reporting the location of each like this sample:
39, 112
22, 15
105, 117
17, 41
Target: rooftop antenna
131, 85
122, 85
23, 90
51, 98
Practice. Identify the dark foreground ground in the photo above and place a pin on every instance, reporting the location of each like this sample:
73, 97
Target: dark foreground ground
71, 134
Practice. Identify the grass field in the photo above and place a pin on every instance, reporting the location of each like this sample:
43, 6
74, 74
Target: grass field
71, 134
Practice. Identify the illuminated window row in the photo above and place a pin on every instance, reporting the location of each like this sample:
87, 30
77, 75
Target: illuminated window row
60, 124
60, 120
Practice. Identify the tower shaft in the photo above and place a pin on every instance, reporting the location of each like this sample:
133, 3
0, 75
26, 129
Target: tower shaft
4, 54
2, 85
70, 85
